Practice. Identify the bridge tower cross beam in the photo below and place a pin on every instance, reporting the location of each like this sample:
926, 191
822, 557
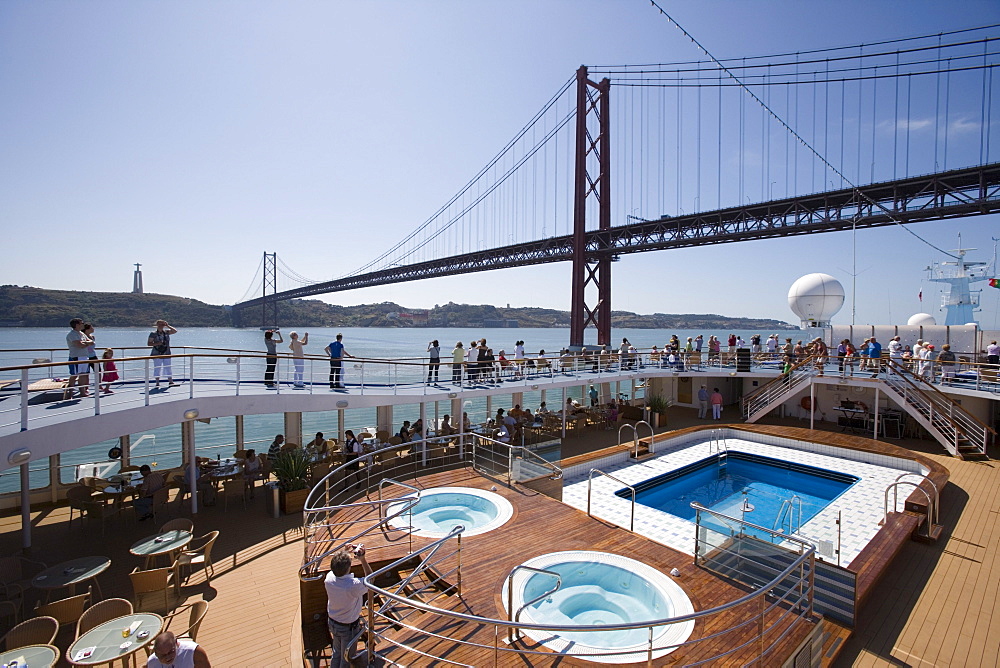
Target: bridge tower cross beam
269, 307
591, 268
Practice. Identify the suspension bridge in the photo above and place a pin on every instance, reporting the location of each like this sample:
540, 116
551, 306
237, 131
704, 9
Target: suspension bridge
637, 158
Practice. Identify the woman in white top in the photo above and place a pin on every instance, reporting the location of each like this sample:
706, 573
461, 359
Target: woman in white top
298, 354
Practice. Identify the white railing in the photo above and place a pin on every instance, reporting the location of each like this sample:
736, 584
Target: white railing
220, 372
759, 403
953, 426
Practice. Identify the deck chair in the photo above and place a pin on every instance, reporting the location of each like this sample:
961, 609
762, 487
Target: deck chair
179, 524
236, 485
185, 621
66, 610
82, 500
160, 499
152, 583
198, 554
35, 631
16, 572
103, 611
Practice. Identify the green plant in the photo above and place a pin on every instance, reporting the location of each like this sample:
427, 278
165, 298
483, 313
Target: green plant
656, 403
291, 468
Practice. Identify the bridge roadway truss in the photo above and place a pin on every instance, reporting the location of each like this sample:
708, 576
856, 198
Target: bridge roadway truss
957, 193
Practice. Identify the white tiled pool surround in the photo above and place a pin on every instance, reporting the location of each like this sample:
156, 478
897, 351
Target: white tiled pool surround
861, 506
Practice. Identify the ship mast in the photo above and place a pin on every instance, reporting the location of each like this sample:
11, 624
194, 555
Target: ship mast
960, 302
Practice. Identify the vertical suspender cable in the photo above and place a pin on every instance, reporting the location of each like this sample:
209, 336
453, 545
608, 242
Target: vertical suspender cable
895, 122
861, 95
909, 120
697, 152
937, 109
718, 157
947, 111
874, 116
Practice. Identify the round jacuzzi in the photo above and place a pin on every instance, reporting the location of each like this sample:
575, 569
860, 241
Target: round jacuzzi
441, 508
600, 589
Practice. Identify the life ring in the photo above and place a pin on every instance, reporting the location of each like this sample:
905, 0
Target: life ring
806, 403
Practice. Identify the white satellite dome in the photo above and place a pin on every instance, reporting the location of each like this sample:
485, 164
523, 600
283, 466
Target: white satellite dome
816, 298
921, 320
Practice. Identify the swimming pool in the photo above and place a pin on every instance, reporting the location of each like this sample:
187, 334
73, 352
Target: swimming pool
761, 490
441, 508
596, 589
840, 530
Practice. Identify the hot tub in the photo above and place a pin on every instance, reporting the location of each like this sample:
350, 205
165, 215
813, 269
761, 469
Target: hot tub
441, 508
599, 589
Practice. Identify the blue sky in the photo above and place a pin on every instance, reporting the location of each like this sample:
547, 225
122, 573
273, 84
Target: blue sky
194, 136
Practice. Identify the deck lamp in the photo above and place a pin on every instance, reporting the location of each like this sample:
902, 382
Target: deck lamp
453, 395
343, 403
18, 457
191, 414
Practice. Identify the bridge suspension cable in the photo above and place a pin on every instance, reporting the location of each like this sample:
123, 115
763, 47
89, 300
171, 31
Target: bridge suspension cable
793, 132
254, 283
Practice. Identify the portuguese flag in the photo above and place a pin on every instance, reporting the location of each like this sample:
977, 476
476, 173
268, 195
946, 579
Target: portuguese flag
995, 282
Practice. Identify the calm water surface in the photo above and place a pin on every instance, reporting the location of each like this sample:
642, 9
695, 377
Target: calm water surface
218, 437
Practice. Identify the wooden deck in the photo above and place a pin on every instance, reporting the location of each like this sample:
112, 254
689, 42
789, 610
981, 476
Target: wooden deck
542, 525
935, 607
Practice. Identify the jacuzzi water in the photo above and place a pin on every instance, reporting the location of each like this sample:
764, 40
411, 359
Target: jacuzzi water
440, 509
594, 594
600, 589
723, 482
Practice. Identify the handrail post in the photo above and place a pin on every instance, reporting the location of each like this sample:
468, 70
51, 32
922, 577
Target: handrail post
191, 377
24, 399
146, 393
238, 359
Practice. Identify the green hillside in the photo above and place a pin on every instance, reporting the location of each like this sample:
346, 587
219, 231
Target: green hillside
36, 307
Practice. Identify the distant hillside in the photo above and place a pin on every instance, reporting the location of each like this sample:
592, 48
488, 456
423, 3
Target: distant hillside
35, 307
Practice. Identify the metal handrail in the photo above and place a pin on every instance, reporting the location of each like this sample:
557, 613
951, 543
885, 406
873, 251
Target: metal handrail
788, 506
635, 436
556, 471
937, 494
718, 443
512, 634
392, 598
590, 479
893, 486
949, 419
765, 395
652, 435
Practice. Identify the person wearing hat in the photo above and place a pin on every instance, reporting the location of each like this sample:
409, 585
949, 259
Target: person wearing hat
820, 352
895, 350
159, 341
928, 357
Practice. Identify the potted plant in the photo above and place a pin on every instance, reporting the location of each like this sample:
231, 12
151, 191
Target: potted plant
291, 468
657, 406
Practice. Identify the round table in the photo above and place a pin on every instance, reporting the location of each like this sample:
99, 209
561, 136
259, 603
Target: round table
161, 543
71, 573
105, 641
42, 656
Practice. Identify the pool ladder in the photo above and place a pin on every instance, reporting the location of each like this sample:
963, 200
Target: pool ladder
718, 444
790, 513
513, 635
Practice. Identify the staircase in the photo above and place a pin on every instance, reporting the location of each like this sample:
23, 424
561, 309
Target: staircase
759, 403
955, 428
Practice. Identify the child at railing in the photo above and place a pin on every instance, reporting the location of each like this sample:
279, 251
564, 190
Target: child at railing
110, 374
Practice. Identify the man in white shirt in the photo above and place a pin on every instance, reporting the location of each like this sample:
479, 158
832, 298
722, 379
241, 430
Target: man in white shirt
171, 652
345, 596
895, 350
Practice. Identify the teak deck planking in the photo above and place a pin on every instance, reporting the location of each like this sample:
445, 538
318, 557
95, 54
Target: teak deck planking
541, 525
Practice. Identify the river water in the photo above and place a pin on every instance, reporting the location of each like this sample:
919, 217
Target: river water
163, 449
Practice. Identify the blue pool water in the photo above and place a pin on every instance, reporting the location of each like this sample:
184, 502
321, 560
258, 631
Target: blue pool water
594, 594
764, 482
